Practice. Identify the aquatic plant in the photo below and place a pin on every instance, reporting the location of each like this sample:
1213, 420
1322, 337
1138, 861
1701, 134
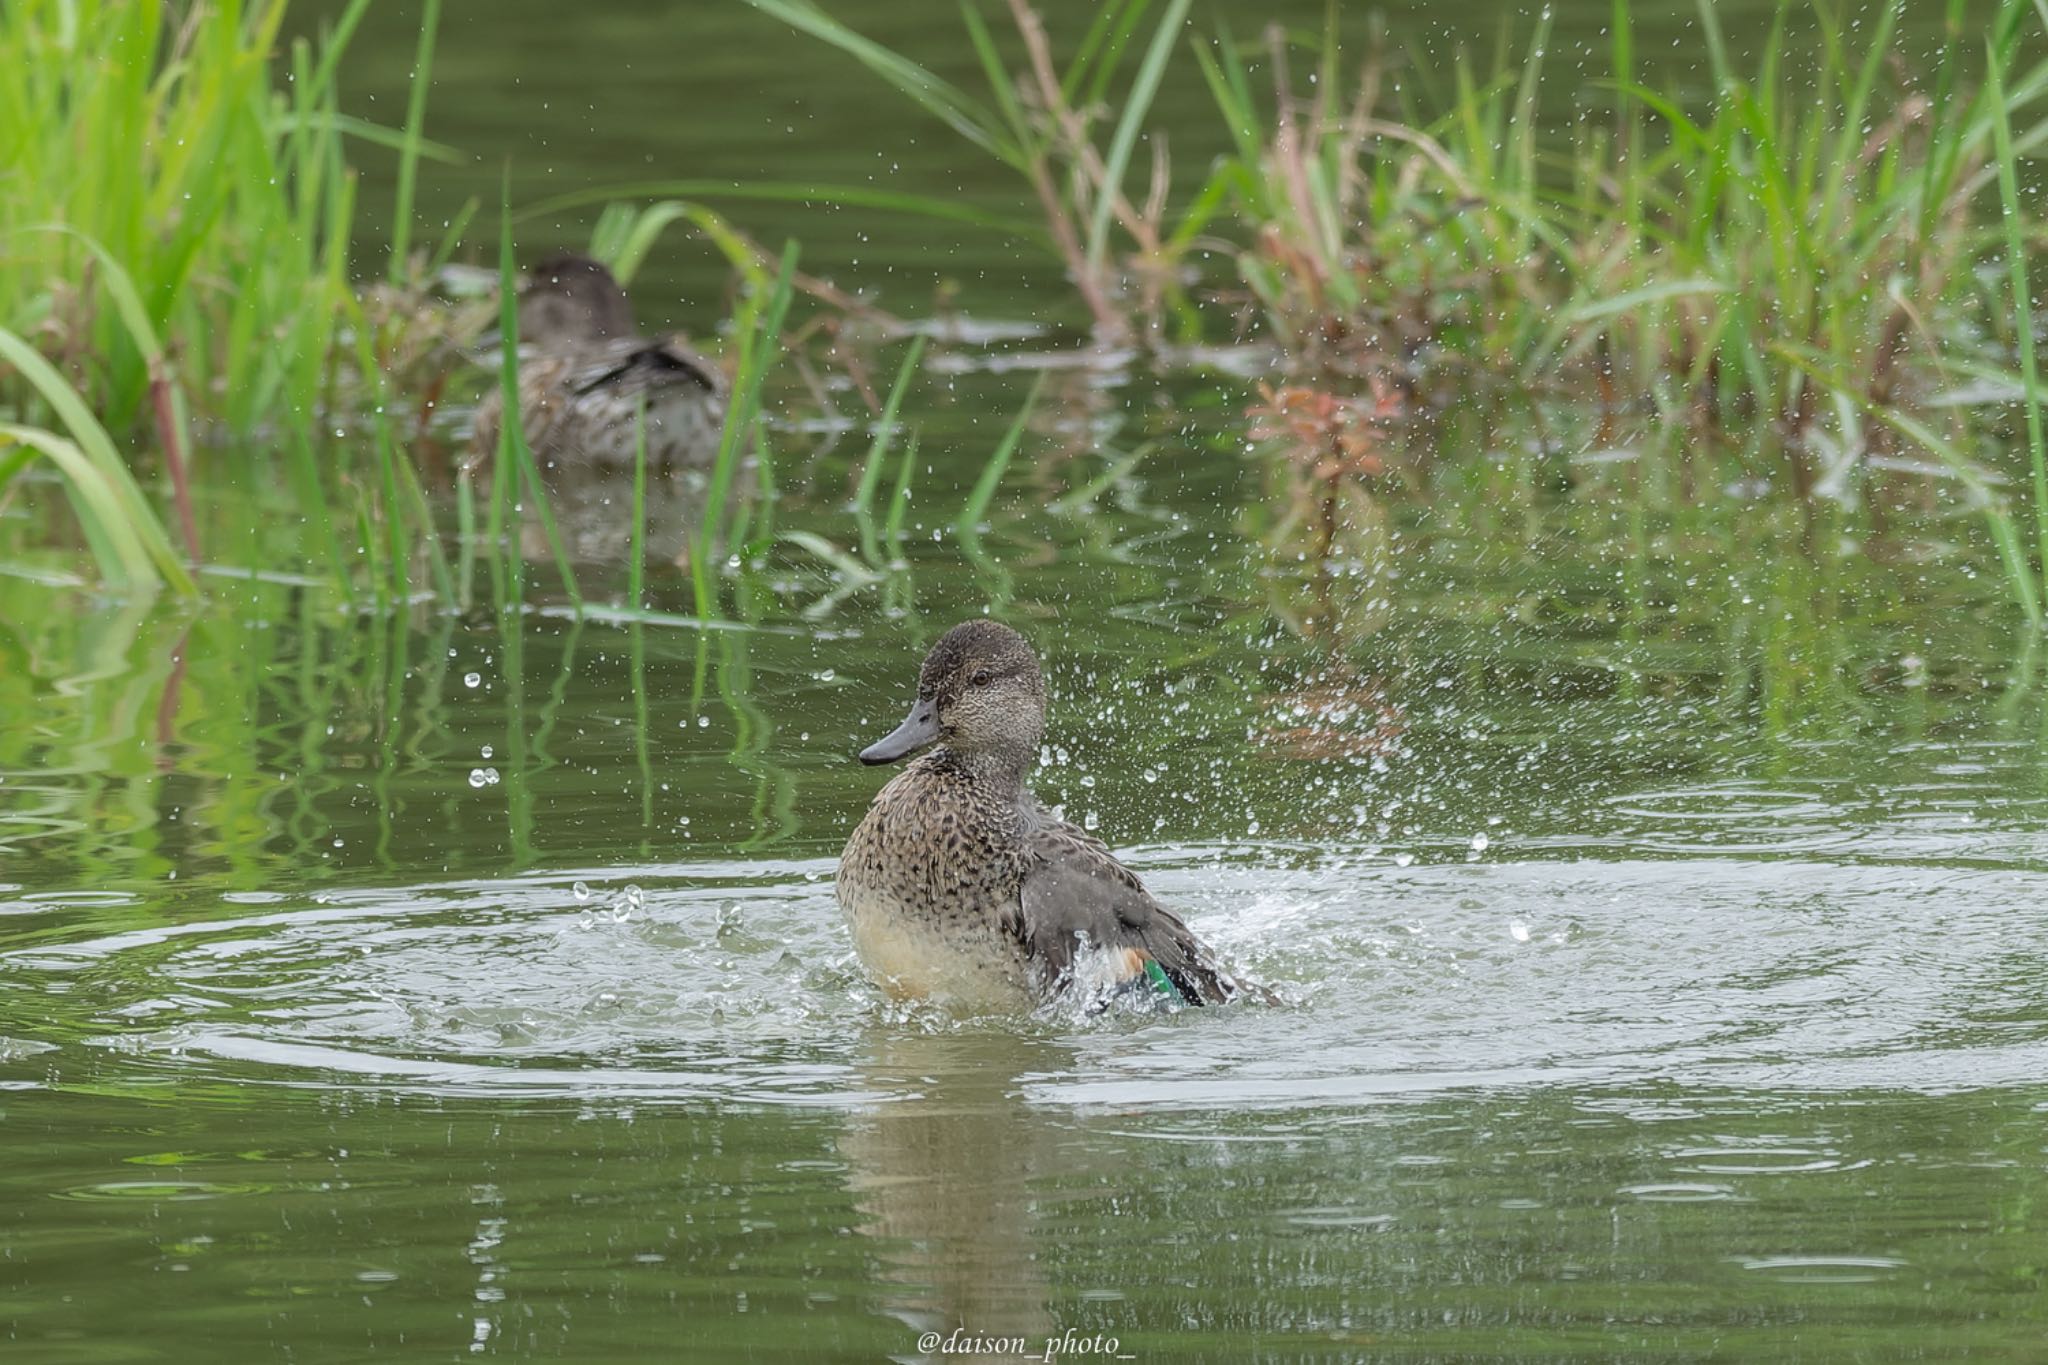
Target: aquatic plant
233, 214
1673, 259
121, 529
1048, 125
731, 518
1780, 286
207, 286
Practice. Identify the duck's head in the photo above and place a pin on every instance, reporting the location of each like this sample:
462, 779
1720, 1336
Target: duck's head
980, 694
572, 300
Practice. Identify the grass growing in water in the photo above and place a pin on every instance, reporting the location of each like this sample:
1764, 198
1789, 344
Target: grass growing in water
1782, 287
727, 519
120, 527
122, 530
207, 284
232, 213
1046, 125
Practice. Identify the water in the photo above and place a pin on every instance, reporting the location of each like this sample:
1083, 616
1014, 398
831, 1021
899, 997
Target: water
1726, 1045
1656, 911
723, 97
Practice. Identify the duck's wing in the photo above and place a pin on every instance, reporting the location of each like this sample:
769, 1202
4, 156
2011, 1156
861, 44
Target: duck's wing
1076, 892
637, 364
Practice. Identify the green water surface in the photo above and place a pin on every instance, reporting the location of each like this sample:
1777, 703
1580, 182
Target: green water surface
1657, 899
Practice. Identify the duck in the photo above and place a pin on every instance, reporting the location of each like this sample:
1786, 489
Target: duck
588, 370
959, 886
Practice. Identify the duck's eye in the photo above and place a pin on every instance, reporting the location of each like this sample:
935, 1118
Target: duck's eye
982, 677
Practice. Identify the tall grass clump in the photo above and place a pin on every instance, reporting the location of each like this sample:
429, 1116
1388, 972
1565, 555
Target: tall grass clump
1370, 238
178, 227
1785, 284
156, 135
1808, 278
1826, 206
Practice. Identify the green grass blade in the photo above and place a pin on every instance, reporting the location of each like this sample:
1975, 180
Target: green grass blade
899, 498
1136, 105
984, 491
92, 440
409, 148
885, 427
1095, 60
116, 546
1717, 47
998, 77
759, 343
513, 449
938, 97
2022, 297
776, 191
645, 229
636, 550
326, 121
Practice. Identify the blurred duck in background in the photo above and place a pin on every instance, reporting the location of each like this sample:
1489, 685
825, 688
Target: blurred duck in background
586, 371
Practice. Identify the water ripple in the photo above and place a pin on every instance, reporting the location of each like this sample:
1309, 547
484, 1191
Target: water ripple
735, 981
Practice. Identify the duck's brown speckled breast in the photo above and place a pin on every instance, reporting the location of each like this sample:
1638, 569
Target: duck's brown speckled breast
930, 882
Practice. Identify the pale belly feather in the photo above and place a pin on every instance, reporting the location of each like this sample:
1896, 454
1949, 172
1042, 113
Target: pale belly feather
914, 959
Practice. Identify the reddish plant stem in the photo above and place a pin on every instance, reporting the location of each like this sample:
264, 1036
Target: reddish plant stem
173, 439
1080, 146
167, 704
1111, 327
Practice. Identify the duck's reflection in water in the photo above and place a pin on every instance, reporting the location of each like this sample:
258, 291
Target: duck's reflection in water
943, 1173
593, 511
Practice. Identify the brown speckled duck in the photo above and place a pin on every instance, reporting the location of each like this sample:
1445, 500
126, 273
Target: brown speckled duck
960, 886
587, 371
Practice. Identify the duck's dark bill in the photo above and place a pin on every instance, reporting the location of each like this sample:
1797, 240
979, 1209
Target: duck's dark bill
918, 729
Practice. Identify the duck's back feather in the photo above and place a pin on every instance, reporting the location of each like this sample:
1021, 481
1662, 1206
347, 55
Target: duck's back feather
580, 407
1075, 892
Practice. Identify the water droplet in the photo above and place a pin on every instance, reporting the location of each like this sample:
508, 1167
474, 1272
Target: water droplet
1479, 842
483, 777
581, 891
472, 679
1151, 774
487, 751
1404, 860
1518, 931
